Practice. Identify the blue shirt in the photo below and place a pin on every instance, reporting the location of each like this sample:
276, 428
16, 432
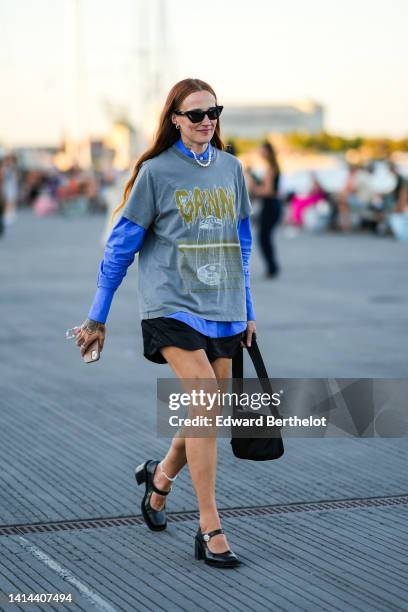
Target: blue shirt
126, 240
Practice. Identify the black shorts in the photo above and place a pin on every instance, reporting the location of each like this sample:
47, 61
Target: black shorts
165, 331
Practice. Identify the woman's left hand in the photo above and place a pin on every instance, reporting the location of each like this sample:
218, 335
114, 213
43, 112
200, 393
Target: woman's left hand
90, 331
250, 330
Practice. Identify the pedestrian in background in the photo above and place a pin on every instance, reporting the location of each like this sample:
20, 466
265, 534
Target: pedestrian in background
267, 191
9, 189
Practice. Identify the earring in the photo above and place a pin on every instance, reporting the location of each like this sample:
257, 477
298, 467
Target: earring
177, 126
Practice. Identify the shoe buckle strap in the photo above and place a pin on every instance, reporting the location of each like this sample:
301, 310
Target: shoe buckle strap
156, 490
210, 534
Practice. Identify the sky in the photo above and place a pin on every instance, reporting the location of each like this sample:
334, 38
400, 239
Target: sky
350, 56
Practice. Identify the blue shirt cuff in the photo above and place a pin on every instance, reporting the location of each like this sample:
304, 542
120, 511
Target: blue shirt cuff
100, 306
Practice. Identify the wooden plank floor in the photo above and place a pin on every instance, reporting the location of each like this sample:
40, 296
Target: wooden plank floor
72, 434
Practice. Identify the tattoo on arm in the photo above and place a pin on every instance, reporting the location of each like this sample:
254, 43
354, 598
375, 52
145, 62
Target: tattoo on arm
91, 326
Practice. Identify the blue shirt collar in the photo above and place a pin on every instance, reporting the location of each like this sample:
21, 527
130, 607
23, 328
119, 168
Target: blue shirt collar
180, 145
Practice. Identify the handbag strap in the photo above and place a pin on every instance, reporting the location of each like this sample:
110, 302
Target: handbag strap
256, 357
260, 369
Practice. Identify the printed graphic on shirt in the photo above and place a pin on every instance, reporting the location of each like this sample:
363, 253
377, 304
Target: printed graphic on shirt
194, 205
211, 261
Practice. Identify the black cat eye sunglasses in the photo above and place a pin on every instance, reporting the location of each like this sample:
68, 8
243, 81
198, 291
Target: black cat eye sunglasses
196, 115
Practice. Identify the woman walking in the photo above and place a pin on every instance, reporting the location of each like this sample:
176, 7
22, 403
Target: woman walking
186, 211
271, 212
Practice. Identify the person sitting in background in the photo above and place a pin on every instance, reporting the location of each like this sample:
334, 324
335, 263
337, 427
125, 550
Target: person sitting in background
389, 203
399, 196
299, 203
356, 196
402, 204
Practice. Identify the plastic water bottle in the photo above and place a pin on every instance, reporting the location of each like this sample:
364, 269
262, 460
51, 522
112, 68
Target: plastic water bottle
72, 332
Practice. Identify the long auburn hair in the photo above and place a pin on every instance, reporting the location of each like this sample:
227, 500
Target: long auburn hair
167, 134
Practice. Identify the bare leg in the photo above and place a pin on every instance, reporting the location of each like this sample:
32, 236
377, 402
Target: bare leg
201, 453
184, 365
173, 462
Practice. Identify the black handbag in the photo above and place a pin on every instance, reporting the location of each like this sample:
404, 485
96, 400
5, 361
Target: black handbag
255, 448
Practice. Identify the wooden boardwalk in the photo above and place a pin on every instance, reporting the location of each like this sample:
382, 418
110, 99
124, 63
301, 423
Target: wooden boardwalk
71, 435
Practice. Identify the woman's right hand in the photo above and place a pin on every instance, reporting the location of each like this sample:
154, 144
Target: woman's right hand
90, 331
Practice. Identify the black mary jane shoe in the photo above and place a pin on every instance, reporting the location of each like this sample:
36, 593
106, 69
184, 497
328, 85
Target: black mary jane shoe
224, 559
156, 520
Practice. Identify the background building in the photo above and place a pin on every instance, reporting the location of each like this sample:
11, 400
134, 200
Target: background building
255, 121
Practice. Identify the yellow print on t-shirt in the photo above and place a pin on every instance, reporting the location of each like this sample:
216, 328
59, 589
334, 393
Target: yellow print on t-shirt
196, 204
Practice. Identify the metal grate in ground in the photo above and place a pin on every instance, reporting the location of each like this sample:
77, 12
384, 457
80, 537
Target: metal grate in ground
251, 511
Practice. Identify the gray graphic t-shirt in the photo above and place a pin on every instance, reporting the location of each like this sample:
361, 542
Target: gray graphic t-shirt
190, 259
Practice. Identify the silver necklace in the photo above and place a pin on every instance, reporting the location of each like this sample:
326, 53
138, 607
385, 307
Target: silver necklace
200, 163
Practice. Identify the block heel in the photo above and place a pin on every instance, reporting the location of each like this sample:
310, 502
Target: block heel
198, 553
156, 520
201, 551
140, 473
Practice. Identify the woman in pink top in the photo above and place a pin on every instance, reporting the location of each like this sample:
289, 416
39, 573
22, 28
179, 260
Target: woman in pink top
300, 203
